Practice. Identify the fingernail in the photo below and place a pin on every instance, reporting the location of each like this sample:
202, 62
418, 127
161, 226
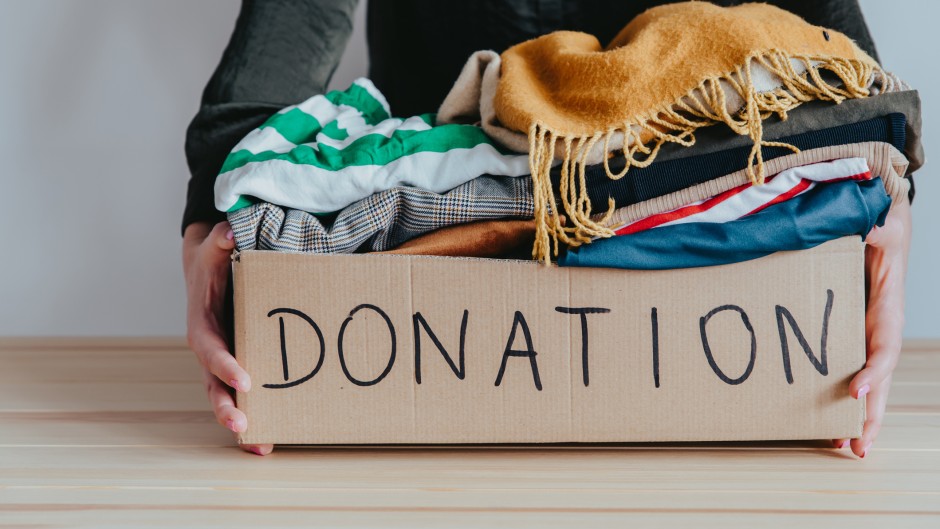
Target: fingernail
865, 450
234, 383
230, 235
845, 443
230, 424
863, 391
257, 450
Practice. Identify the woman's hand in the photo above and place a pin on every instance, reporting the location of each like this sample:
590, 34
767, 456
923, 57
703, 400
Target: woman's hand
206, 265
885, 267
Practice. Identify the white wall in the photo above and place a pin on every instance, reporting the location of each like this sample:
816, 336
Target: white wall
907, 39
95, 96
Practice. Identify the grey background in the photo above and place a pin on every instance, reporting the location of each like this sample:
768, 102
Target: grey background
95, 96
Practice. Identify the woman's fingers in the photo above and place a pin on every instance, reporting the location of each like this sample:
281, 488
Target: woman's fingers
880, 365
206, 280
874, 416
206, 262
885, 324
222, 237
885, 267
213, 354
261, 450
223, 405
224, 366
873, 384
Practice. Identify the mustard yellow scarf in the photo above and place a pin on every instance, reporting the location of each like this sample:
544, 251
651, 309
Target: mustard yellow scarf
671, 70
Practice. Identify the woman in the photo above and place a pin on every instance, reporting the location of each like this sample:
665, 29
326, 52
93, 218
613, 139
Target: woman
283, 51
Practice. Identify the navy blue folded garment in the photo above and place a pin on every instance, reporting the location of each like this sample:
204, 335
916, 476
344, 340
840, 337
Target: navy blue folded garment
669, 176
826, 212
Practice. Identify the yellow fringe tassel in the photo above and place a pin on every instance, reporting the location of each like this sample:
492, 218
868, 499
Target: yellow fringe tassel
676, 123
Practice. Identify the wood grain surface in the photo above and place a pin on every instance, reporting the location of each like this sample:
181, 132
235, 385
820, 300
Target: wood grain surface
118, 433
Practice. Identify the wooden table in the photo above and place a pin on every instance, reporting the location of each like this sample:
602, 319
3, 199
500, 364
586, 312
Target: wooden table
118, 434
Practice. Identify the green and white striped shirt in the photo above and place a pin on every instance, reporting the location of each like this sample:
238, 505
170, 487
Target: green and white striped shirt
333, 150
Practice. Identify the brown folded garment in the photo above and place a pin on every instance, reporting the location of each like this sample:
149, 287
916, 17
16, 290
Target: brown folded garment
486, 238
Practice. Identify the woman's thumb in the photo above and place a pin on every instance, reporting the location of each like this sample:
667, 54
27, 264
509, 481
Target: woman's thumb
222, 237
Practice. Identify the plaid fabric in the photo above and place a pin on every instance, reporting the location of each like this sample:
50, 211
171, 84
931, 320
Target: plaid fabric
381, 221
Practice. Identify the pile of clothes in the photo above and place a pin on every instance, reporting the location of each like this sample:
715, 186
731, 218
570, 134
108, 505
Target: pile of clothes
699, 136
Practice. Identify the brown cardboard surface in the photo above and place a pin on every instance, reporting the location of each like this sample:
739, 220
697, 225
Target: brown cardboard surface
652, 373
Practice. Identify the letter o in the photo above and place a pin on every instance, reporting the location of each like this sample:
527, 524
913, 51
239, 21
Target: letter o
708, 351
339, 346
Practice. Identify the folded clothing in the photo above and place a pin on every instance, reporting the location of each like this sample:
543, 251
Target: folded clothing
824, 213
882, 158
381, 221
664, 177
484, 238
576, 101
747, 199
332, 150
810, 116
387, 220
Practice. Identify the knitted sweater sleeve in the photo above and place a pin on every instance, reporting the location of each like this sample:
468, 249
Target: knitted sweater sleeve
280, 53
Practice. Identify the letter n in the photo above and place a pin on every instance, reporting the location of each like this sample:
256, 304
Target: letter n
821, 363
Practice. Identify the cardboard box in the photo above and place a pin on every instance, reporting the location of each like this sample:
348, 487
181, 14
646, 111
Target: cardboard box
398, 349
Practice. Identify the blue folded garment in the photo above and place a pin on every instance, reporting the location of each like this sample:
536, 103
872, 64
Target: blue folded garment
824, 213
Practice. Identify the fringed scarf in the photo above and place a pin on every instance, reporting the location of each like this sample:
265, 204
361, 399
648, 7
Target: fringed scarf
670, 71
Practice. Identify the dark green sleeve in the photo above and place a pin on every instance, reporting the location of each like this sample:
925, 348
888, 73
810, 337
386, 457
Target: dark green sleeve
280, 53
